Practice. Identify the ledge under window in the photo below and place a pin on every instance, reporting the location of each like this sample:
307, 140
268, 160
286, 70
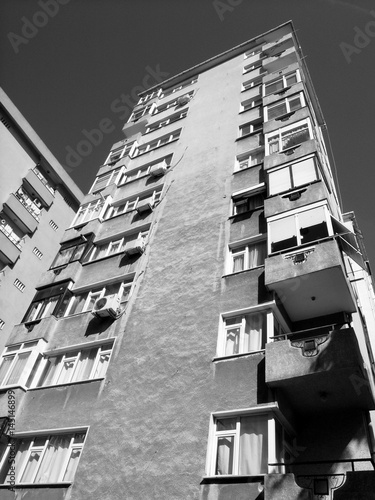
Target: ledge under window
235, 356
259, 132
232, 479
78, 382
64, 484
247, 168
243, 271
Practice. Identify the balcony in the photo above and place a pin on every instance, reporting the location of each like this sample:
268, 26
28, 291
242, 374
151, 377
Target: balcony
276, 62
311, 281
36, 182
135, 127
23, 211
319, 370
10, 246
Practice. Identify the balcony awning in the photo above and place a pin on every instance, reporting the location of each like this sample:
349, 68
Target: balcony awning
348, 242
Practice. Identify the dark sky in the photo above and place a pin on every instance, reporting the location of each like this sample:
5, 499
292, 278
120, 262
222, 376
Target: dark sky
67, 74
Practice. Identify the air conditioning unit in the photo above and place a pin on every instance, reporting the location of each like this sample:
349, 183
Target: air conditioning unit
135, 247
181, 101
107, 306
144, 206
159, 169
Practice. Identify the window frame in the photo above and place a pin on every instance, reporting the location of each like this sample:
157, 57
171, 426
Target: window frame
251, 103
243, 197
278, 133
132, 203
252, 66
157, 143
274, 419
123, 240
178, 87
152, 127
289, 166
34, 351
6, 464
98, 205
286, 101
249, 157
283, 79
172, 103
242, 248
113, 178
254, 127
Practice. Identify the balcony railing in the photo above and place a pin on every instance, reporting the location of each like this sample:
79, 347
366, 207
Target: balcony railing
29, 204
9, 233
43, 180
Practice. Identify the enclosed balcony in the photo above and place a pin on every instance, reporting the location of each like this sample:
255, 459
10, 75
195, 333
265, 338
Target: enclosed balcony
37, 183
284, 57
10, 243
305, 266
319, 370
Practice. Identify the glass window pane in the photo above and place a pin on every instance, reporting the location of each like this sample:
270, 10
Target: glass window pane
224, 459
18, 368
78, 303
283, 234
312, 225
85, 364
279, 181
4, 368
294, 103
295, 136
226, 424
276, 110
273, 143
31, 467
238, 262
232, 341
63, 257
291, 79
257, 254
253, 456
255, 332
72, 465
53, 460
102, 365
50, 370
304, 172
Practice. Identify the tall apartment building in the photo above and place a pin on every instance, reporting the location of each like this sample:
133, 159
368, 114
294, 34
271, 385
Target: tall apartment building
37, 201
206, 329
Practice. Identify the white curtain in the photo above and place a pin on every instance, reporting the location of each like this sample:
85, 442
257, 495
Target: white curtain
257, 254
18, 368
85, 364
253, 445
232, 342
254, 332
54, 458
72, 465
224, 463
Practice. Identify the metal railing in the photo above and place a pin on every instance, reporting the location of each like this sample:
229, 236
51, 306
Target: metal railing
11, 235
43, 180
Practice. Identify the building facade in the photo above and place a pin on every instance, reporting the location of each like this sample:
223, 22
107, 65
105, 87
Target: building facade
206, 329
38, 200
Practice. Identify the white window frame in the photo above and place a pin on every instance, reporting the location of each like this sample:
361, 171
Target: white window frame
253, 52
35, 349
295, 213
148, 109
120, 241
179, 87
252, 66
289, 167
253, 102
113, 177
132, 203
173, 103
253, 82
47, 435
147, 97
96, 208
121, 152
98, 292
284, 80
278, 134
163, 123
253, 127
274, 321
286, 102
249, 159
243, 248
273, 414
73, 354
157, 143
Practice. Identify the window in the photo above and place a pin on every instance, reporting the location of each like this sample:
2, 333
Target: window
247, 256
89, 211
17, 362
250, 200
10, 231
32, 204
281, 82
302, 227
287, 105
250, 103
18, 284
105, 180
249, 159
293, 176
2, 324
120, 152
70, 252
157, 143
136, 115
147, 200
288, 137
244, 442
147, 97
173, 118
86, 363
249, 84
38, 253
45, 459
113, 247
84, 301
253, 52
53, 224
137, 173
179, 87
250, 128
49, 300
174, 102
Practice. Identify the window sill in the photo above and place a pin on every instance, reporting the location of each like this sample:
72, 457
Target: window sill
243, 271
103, 258
235, 356
78, 382
64, 484
4, 388
154, 149
250, 109
233, 479
246, 212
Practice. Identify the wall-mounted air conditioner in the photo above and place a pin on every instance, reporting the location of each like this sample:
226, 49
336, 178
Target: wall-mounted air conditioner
135, 247
159, 169
144, 206
107, 306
